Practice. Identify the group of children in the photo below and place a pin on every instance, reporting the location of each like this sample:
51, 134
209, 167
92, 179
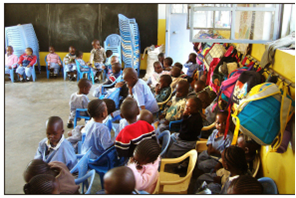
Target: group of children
141, 121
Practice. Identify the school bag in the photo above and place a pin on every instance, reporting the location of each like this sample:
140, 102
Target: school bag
262, 115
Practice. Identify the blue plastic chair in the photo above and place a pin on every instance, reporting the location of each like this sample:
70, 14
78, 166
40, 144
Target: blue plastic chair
80, 73
269, 186
113, 43
108, 160
83, 179
47, 70
110, 121
166, 138
104, 87
11, 73
33, 73
177, 124
77, 115
115, 96
79, 145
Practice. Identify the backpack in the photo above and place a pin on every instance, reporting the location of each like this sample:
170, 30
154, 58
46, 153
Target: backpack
262, 115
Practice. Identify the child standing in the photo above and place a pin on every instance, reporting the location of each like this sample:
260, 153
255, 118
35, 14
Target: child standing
79, 99
97, 134
97, 57
55, 147
191, 65
144, 164
25, 64
10, 60
70, 65
42, 184
163, 89
53, 61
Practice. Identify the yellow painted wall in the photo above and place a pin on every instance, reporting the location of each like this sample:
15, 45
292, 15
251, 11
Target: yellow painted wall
161, 31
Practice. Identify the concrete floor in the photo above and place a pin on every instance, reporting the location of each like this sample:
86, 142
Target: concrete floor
27, 106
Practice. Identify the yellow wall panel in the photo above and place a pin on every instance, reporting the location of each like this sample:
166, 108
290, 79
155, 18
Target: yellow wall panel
161, 31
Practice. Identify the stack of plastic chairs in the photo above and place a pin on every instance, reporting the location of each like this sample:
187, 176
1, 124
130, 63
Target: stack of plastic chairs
20, 37
130, 42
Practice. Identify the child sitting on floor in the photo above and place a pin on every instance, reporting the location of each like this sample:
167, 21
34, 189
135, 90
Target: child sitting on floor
79, 100
155, 77
167, 63
116, 71
97, 134
79, 58
176, 76
55, 147
174, 108
97, 57
139, 90
25, 64
70, 65
191, 126
245, 184
144, 164
191, 65
54, 62
163, 89
10, 60
57, 169
42, 184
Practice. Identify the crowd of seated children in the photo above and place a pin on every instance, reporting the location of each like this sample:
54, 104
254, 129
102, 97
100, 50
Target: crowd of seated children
163, 89
70, 64
97, 57
97, 135
167, 63
55, 168
55, 147
10, 60
79, 100
155, 77
25, 64
54, 62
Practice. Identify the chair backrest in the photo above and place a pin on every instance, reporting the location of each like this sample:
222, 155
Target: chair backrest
269, 186
115, 96
91, 174
78, 66
113, 40
166, 138
82, 164
201, 146
256, 165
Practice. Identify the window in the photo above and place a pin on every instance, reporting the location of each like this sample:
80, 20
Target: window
179, 9
234, 23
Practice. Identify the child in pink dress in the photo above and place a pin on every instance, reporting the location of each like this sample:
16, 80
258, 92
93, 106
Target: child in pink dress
53, 61
10, 59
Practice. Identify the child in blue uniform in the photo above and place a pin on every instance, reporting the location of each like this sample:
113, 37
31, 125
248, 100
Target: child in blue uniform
55, 147
191, 65
97, 134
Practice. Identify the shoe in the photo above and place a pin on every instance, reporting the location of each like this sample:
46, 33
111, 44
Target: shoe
21, 79
51, 74
73, 78
69, 125
28, 78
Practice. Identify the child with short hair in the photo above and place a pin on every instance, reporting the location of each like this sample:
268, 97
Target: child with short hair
10, 60
167, 63
199, 85
245, 184
42, 184
79, 58
144, 164
163, 89
25, 64
70, 65
98, 56
107, 63
57, 169
97, 134
155, 77
191, 126
146, 116
79, 99
176, 76
55, 147
160, 57
191, 65
177, 64
129, 110
53, 61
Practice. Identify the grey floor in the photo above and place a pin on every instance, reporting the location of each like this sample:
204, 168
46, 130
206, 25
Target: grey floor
27, 106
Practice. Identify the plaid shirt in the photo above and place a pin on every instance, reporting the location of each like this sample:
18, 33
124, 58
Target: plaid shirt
26, 60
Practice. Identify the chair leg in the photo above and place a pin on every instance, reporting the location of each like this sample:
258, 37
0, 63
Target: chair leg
11, 75
47, 72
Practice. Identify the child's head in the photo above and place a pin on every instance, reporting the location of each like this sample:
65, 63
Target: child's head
129, 109
182, 88
157, 67
177, 64
110, 105
192, 58
79, 54
175, 72
72, 50
146, 152
114, 59
51, 49
245, 184
199, 85
36, 167
130, 76
167, 62
234, 160
119, 180
97, 109
193, 106
146, 115
9, 50
161, 57
29, 51
203, 78
221, 119
116, 67
204, 98
96, 44
42, 184
84, 86
165, 81
54, 130
250, 147
109, 53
